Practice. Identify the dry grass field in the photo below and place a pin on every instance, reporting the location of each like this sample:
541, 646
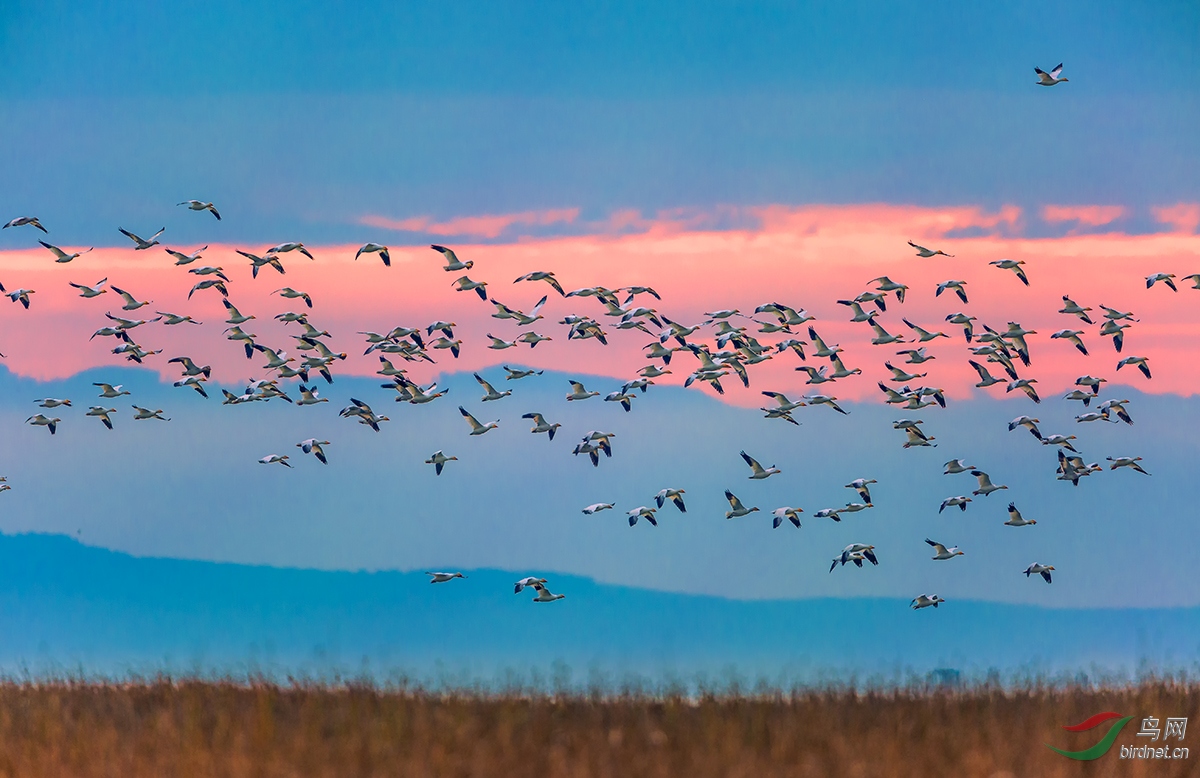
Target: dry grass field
172, 729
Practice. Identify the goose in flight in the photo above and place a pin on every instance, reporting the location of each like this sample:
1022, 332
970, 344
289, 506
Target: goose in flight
185, 259
783, 406
861, 485
314, 447
476, 427
917, 438
916, 356
38, 420
625, 398
1130, 462
1039, 569
211, 283
142, 414
829, 513
882, 336
490, 392
363, 412
1029, 423
19, 295
737, 510
942, 553
541, 425
961, 501
61, 256
545, 595
925, 253
902, 376
1059, 440
1071, 336
786, 513
375, 248
955, 466
109, 391
499, 344
822, 350
284, 248
465, 284
515, 374
885, 285
824, 399
172, 319
190, 368
549, 278
580, 392
1073, 308
52, 402
293, 294
1026, 386
1091, 382
965, 322
856, 553
439, 460
673, 495
1013, 265
1139, 362
200, 205
986, 486
131, 303
597, 507
436, 578
275, 459
257, 262
141, 243
986, 379
21, 221
529, 581
309, 396
195, 382
1166, 278
1049, 79
757, 471
642, 512
923, 335
1117, 407
1116, 330
101, 413
925, 600
95, 290
956, 286
1015, 519
452, 262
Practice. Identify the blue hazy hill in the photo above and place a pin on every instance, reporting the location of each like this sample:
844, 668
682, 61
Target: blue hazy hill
67, 607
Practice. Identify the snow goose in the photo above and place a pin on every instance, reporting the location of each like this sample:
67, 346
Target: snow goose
95, 290
757, 471
545, 595
465, 284
917, 438
452, 262
624, 398
1194, 278
1139, 362
580, 392
861, 485
275, 459
926, 253
61, 256
131, 303
885, 284
293, 294
185, 259
986, 486
855, 507
1071, 336
529, 581
942, 553
956, 286
822, 350
815, 375
190, 367
476, 427
1166, 278
955, 466
540, 275
1130, 462
786, 513
21, 221
916, 356
284, 248
856, 553
925, 600
212, 283
143, 414
194, 382
515, 374
736, 510
1074, 309
1050, 79
1059, 440
672, 495
965, 322
597, 507
902, 376
923, 335
986, 379
499, 344
100, 412
533, 338
642, 512
652, 371
1117, 331
1097, 415
961, 501
1117, 407
439, 460
309, 396
38, 420
435, 578
1091, 382
19, 295
1039, 569
1113, 314
375, 248
172, 319
490, 392
859, 314
257, 263
455, 346
541, 425
109, 391
314, 447
200, 205
1026, 386
882, 336
141, 244
1080, 395
783, 404
826, 400
52, 402
1015, 519
1013, 265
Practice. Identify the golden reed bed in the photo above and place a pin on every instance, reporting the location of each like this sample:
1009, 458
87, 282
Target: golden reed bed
169, 729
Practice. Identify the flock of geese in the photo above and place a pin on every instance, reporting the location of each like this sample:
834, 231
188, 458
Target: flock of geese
724, 346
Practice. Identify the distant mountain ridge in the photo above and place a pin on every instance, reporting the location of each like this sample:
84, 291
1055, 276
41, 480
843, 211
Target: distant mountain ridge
69, 608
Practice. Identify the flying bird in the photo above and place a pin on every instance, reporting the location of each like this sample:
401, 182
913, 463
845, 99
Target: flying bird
1049, 79
199, 205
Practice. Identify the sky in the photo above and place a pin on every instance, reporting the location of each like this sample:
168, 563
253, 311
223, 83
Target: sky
726, 155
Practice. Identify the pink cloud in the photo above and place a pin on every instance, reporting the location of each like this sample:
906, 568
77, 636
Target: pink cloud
1184, 217
1087, 215
486, 226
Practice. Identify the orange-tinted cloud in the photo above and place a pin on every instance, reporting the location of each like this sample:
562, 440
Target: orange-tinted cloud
487, 226
1184, 217
806, 257
1086, 215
